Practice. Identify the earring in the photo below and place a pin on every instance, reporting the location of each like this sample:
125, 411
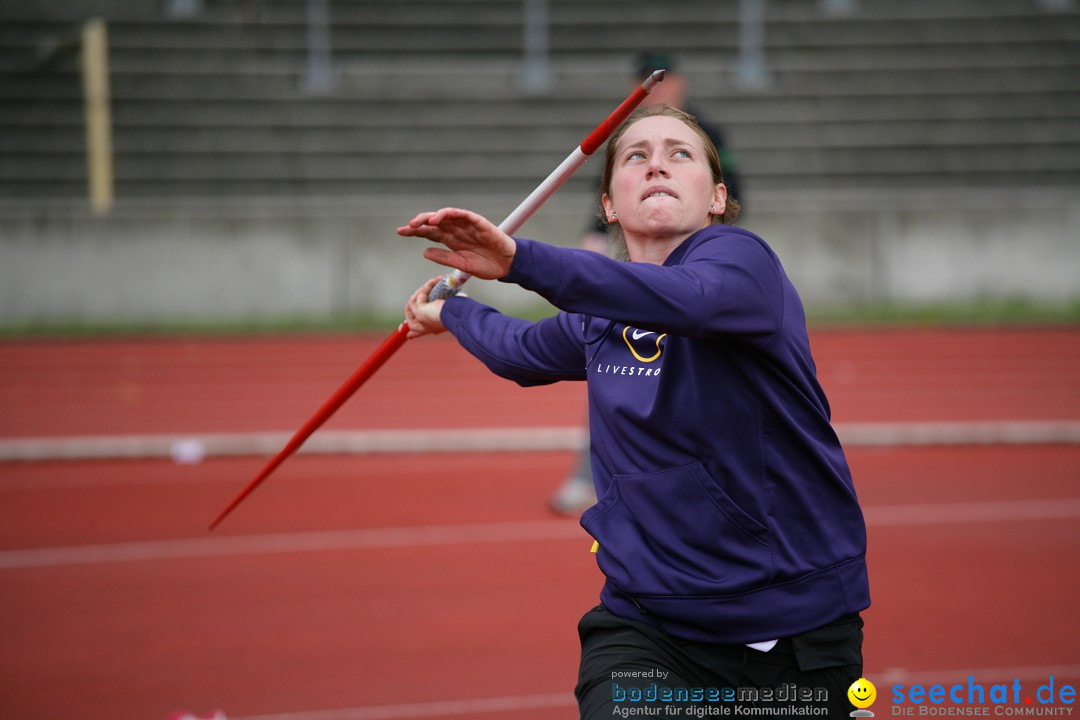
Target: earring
712, 208
614, 215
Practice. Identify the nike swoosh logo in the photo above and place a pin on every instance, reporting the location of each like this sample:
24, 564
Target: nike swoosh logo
638, 334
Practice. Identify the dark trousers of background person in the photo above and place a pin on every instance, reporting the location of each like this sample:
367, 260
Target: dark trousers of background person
829, 657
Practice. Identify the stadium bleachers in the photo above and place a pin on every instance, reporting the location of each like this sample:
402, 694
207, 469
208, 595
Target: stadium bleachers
428, 96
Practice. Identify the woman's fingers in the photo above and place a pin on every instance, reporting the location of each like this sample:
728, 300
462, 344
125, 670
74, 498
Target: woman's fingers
412, 227
425, 221
421, 316
448, 225
421, 294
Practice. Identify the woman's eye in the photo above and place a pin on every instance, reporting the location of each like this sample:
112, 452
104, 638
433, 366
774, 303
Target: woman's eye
635, 155
682, 153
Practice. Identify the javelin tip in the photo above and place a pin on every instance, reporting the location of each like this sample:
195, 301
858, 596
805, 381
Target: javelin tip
652, 80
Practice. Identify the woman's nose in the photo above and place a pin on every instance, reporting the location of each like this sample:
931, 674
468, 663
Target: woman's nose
657, 166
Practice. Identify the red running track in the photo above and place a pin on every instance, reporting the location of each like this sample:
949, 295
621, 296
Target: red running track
434, 586
227, 385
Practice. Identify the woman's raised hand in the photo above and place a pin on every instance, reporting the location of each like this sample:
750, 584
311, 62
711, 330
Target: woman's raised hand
473, 244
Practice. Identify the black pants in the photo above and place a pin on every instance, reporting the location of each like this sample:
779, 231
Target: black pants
629, 665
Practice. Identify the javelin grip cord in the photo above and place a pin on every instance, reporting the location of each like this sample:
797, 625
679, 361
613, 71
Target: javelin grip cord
450, 284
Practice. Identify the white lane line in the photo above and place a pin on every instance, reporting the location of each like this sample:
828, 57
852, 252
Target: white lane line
882, 678
501, 439
430, 709
327, 442
481, 533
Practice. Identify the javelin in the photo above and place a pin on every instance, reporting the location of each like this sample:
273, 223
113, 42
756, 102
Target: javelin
451, 283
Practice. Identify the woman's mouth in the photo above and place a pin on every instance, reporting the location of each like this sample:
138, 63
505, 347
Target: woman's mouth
658, 192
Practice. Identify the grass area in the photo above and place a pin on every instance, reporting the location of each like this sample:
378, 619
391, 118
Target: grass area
1015, 312
288, 325
986, 314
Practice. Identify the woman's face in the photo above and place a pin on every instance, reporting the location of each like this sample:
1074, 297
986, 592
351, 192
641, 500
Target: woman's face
661, 186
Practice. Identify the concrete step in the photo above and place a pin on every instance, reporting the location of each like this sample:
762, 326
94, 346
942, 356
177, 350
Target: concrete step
501, 81
450, 167
625, 26
293, 11
270, 141
156, 187
582, 114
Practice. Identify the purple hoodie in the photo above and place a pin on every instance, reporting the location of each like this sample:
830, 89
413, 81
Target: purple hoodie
726, 509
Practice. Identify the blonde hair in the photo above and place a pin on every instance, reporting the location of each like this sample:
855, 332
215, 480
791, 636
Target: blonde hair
731, 210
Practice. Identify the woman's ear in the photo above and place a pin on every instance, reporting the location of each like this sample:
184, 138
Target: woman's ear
610, 216
719, 202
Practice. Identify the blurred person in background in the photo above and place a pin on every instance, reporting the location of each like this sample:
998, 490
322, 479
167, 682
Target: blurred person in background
577, 492
728, 529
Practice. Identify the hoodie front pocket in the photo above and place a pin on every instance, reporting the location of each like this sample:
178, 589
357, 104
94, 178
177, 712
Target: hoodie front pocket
676, 532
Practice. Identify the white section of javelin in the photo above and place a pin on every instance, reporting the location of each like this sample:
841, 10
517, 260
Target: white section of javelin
543, 191
501, 439
882, 678
480, 533
440, 708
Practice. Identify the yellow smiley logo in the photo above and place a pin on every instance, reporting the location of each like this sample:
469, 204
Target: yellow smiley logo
862, 693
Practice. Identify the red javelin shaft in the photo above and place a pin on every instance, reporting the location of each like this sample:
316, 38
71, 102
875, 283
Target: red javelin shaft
451, 282
383, 353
